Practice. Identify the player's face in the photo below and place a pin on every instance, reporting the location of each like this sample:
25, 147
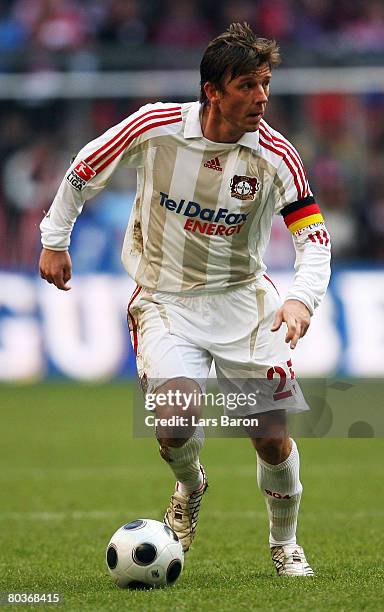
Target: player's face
244, 99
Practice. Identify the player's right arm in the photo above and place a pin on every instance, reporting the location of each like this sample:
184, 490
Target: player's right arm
87, 175
84, 179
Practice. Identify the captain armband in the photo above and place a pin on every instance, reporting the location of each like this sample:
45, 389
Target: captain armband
304, 213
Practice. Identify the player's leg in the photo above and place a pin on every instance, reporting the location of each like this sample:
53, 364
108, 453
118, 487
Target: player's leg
180, 446
179, 439
173, 368
278, 477
259, 361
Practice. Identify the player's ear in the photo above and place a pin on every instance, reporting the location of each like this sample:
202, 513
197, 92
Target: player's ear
212, 92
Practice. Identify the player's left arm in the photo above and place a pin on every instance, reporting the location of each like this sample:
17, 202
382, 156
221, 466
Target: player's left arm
311, 240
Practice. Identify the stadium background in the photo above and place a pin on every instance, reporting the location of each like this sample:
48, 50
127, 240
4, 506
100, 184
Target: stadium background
69, 70
71, 470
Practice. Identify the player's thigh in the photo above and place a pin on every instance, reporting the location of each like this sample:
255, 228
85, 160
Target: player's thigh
162, 354
257, 361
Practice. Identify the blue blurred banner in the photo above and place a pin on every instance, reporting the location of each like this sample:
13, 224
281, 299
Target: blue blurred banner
82, 334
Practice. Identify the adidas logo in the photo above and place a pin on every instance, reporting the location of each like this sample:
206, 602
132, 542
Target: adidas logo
213, 164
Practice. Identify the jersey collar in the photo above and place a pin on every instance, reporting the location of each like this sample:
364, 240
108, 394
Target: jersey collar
192, 128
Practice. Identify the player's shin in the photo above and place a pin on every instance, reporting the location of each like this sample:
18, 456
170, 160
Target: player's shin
281, 486
184, 461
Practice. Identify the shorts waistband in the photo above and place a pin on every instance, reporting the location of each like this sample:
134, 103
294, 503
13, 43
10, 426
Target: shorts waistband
205, 292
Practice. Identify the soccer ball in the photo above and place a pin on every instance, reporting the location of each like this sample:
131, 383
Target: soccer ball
144, 553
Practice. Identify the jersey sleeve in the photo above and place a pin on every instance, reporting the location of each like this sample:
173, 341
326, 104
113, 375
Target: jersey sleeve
304, 220
93, 167
312, 266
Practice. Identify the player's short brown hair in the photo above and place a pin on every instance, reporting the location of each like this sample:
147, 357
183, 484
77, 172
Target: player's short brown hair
235, 52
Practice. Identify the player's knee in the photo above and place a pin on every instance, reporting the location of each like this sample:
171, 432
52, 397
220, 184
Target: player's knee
179, 396
178, 411
271, 449
172, 442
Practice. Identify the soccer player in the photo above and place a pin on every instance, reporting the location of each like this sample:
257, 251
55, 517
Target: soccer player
211, 175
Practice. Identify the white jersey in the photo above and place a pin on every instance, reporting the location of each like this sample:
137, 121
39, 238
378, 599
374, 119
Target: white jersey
203, 210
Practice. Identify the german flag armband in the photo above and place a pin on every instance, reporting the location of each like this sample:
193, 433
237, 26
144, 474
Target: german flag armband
302, 214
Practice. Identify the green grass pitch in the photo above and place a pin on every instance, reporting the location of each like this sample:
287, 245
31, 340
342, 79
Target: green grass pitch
71, 474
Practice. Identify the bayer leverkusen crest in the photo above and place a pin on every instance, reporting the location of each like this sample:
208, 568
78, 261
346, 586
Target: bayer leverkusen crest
244, 187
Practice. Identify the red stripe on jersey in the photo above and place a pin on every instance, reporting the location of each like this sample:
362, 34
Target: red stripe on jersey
117, 136
135, 341
306, 211
295, 160
132, 137
319, 236
124, 137
127, 131
272, 283
134, 295
293, 152
270, 148
133, 322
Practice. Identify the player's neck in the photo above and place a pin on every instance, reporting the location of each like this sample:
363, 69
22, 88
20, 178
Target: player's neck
216, 128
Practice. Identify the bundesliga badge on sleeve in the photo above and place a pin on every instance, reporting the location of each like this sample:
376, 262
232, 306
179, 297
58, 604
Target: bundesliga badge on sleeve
80, 175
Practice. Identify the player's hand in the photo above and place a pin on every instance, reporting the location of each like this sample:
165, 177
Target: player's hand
297, 317
56, 268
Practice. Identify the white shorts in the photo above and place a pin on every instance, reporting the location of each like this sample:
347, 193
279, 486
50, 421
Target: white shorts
178, 335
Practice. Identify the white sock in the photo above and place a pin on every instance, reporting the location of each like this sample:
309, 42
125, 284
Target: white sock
184, 462
277, 482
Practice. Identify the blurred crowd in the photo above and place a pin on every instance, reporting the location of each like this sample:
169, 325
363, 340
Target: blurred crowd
99, 34
340, 137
